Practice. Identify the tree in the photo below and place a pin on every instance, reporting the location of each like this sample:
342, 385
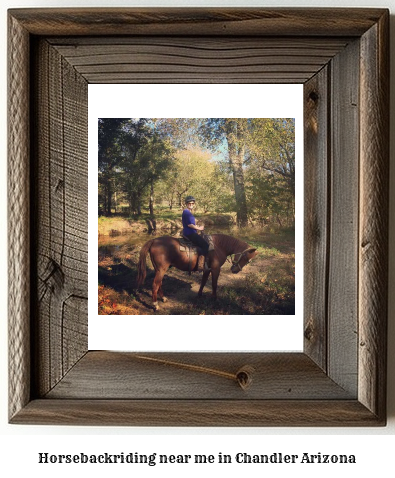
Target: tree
190, 168
269, 199
234, 131
136, 134
157, 157
242, 165
273, 147
146, 158
109, 156
215, 190
271, 168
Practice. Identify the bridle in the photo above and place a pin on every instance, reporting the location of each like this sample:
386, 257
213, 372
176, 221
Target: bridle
241, 254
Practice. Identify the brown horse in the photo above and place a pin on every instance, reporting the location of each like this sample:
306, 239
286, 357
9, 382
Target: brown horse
165, 252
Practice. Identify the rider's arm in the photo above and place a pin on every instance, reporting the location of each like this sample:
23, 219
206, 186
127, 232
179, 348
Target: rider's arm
197, 228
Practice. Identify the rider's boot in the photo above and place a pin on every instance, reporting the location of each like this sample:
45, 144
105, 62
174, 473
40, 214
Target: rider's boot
201, 263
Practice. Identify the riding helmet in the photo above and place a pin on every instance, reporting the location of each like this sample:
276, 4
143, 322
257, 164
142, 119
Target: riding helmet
189, 199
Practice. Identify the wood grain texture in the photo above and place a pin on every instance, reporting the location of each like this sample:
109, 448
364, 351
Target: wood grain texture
18, 218
194, 59
201, 21
316, 214
61, 199
344, 196
202, 413
373, 245
196, 376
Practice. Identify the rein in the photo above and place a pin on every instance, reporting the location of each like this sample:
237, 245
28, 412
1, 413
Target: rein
229, 243
236, 263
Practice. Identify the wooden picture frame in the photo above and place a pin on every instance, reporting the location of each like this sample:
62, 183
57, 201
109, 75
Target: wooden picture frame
342, 58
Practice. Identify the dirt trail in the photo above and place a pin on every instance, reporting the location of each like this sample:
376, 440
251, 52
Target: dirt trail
266, 286
178, 296
181, 289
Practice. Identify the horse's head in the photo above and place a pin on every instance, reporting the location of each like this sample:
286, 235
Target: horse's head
241, 259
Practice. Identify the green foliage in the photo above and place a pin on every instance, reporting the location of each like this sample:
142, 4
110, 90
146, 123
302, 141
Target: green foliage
244, 166
144, 166
109, 156
271, 171
142, 157
270, 199
273, 148
194, 172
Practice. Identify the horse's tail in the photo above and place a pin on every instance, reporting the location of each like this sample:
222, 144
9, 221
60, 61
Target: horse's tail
142, 266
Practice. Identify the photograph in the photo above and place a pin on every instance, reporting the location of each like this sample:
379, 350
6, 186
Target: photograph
196, 216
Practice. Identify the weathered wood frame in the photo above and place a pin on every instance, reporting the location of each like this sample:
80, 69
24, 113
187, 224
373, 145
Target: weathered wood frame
342, 57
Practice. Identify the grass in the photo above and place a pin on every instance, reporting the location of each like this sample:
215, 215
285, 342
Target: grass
164, 218
270, 292
113, 226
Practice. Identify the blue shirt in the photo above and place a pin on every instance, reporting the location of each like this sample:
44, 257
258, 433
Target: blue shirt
187, 218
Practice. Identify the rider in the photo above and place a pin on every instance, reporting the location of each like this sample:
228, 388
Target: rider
190, 231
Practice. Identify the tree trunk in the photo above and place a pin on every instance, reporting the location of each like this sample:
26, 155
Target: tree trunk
151, 199
171, 201
236, 149
138, 203
241, 200
109, 197
105, 201
279, 220
133, 203
180, 195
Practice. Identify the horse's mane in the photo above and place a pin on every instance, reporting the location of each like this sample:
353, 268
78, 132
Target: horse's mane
229, 244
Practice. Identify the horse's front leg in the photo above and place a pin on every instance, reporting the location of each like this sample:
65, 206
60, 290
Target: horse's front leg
203, 283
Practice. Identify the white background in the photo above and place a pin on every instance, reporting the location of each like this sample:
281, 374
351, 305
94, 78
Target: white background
176, 332
21, 444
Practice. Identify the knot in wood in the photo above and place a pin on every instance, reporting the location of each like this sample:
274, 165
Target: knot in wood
244, 376
313, 96
54, 275
308, 332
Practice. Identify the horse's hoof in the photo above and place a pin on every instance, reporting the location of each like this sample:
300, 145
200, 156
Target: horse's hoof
165, 299
155, 305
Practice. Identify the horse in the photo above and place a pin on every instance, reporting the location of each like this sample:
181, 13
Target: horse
165, 252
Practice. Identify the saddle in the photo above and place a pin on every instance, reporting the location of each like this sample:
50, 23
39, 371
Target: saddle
192, 249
